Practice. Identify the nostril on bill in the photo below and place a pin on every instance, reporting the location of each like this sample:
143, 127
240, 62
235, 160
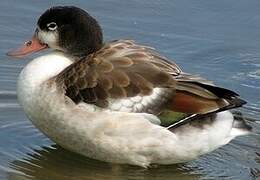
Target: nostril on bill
28, 43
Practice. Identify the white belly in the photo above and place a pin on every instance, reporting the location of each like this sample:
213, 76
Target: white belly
120, 137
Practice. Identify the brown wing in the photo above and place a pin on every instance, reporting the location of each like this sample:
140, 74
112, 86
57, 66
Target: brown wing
124, 69
120, 69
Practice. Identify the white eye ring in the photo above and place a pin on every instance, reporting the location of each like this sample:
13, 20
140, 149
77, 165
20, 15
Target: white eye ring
52, 26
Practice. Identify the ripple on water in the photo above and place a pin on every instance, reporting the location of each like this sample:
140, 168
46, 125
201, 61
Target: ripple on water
62, 164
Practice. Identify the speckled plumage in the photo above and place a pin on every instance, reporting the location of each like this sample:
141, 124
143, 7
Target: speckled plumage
123, 69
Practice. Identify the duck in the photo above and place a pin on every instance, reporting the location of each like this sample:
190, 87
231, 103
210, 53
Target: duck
119, 101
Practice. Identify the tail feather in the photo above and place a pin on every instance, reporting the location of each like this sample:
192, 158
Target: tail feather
240, 126
199, 99
240, 122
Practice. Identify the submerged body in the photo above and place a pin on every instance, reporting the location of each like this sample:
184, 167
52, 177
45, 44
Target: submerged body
113, 136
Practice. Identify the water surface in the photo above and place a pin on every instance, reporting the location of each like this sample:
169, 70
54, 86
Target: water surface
219, 40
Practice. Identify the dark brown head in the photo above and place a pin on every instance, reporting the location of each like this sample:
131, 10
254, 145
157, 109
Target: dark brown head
66, 28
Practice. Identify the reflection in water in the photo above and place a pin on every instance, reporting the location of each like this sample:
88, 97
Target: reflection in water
57, 163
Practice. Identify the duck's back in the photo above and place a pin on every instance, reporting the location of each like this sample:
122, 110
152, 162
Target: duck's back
125, 76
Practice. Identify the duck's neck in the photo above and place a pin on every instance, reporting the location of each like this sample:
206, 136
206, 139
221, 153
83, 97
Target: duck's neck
38, 71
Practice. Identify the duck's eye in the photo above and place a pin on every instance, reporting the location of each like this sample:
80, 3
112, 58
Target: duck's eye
52, 26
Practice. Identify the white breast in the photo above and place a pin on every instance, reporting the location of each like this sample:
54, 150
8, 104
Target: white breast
37, 71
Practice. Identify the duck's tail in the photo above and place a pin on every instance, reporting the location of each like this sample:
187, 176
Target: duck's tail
240, 126
206, 133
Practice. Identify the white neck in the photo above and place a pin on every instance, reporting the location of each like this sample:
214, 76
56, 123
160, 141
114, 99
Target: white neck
39, 70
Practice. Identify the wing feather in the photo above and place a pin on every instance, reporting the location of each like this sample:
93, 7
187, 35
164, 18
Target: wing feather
120, 69
124, 69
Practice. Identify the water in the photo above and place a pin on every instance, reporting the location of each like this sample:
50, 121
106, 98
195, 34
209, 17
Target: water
216, 39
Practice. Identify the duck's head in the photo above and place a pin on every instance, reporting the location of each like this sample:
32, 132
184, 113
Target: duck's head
65, 28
